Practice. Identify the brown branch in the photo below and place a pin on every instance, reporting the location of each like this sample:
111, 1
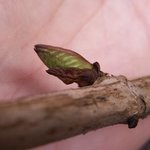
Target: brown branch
33, 121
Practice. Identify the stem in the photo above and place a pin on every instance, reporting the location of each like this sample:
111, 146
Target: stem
33, 121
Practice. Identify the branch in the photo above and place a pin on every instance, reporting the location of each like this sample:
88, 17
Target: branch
33, 121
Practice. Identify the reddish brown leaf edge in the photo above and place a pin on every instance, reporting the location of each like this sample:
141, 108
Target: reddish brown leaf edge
83, 77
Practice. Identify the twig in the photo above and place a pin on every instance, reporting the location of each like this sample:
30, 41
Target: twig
33, 121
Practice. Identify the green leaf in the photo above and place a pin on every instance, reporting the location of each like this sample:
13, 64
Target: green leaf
56, 57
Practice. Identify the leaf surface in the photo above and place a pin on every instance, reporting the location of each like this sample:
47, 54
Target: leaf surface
56, 57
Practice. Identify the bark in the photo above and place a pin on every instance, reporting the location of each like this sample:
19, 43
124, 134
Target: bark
33, 121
